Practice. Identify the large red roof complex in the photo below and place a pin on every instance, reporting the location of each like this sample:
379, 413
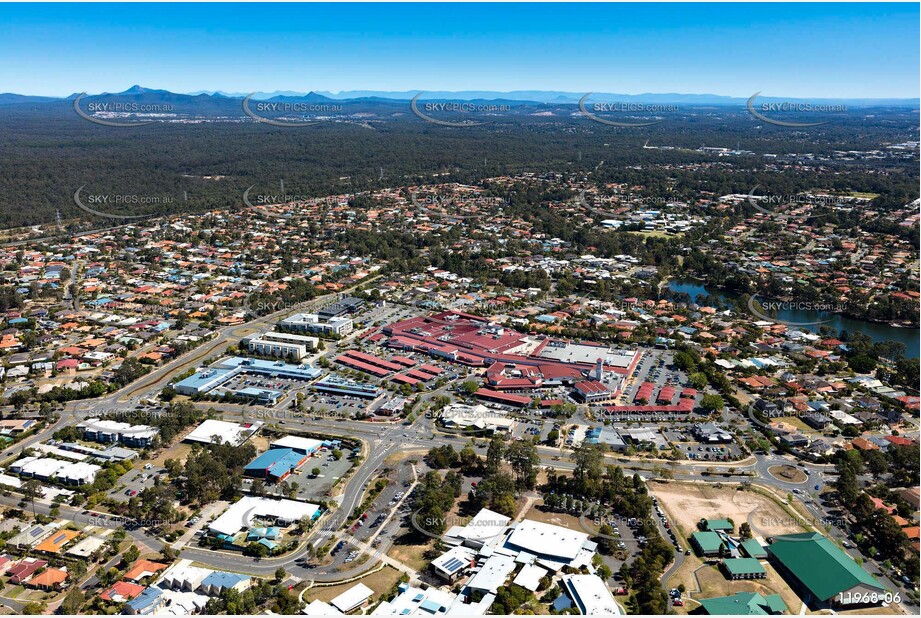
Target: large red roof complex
515, 361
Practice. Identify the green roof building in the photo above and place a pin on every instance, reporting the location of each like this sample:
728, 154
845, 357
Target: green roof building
743, 568
754, 549
719, 525
823, 571
744, 604
707, 543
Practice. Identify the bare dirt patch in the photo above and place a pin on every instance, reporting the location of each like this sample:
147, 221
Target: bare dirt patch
688, 503
790, 474
179, 451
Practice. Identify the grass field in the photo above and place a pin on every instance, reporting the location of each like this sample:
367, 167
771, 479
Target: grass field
411, 554
706, 582
800, 425
557, 519
380, 582
657, 234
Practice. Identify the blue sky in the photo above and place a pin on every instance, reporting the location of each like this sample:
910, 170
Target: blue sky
818, 50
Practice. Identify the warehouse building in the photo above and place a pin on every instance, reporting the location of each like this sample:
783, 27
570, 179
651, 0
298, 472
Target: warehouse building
307, 446
275, 464
213, 431
822, 572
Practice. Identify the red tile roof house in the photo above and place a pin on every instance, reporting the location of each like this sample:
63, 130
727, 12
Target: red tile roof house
899, 441
48, 579
67, 365
879, 504
144, 568
863, 444
120, 592
24, 569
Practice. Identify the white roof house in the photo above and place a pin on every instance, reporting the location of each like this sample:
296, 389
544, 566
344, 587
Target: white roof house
86, 547
352, 598
181, 603
242, 513
183, 575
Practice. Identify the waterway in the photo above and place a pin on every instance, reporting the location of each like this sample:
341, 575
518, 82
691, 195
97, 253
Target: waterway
874, 330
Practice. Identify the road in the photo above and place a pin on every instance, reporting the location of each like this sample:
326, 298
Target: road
380, 442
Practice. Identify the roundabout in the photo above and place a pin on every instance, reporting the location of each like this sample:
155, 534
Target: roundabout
788, 474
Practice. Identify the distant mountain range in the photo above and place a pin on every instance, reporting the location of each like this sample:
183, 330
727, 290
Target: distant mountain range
219, 99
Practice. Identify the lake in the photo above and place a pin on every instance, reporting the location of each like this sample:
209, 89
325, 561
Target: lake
874, 330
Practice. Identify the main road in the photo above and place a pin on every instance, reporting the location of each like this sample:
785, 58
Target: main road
380, 442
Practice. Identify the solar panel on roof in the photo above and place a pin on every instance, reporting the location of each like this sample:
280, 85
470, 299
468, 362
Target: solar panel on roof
453, 564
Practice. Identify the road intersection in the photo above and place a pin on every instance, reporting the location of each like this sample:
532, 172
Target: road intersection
380, 441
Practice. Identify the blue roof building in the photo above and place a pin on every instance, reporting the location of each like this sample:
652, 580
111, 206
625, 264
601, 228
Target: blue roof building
275, 464
146, 602
218, 581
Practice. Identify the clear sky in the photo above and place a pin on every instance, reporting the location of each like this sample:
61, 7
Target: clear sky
801, 50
